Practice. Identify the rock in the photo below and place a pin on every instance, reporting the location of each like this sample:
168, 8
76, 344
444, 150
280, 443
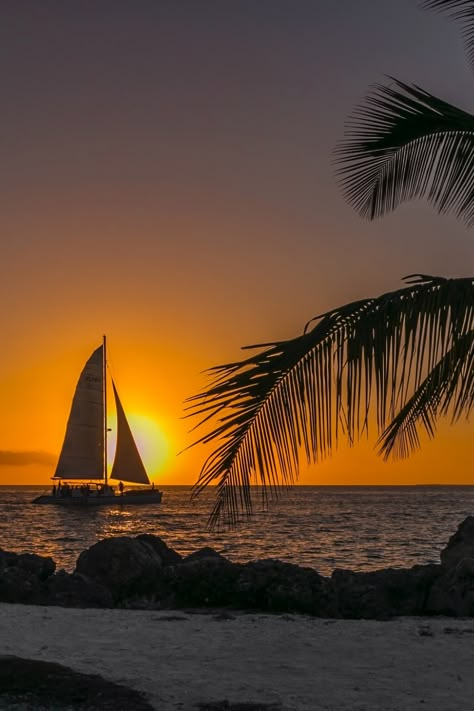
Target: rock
168, 555
145, 573
201, 582
206, 552
453, 592
75, 590
39, 566
382, 594
22, 576
127, 567
460, 545
274, 586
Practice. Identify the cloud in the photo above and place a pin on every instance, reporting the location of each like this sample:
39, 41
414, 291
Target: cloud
24, 458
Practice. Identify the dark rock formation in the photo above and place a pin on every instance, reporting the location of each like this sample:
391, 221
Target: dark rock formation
22, 576
460, 545
207, 581
382, 594
143, 572
75, 590
206, 552
127, 567
453, 592
168, 555
274, 586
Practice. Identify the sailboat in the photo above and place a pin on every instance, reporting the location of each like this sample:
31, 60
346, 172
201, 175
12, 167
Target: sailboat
81, 477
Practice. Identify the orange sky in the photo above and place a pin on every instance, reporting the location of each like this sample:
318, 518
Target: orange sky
167, 180
153, 380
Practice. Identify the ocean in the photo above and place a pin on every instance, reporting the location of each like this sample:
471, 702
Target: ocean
360, 528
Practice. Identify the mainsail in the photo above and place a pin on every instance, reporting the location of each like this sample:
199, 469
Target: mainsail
127, 465
82, 453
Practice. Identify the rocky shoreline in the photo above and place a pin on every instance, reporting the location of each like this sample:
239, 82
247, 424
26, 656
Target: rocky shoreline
145, 573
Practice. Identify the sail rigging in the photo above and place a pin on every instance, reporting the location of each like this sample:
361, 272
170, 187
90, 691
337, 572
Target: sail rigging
83, 454
128, 465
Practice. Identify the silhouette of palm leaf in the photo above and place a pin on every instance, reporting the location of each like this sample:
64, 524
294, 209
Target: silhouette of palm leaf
404, 143
294, 398
450, 383
460, 10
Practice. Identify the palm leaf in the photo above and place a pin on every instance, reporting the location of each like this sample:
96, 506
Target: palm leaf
459, 10
404, 143
297, 397
450, 383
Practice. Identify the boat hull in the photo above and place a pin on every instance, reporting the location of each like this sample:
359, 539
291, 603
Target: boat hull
131, 498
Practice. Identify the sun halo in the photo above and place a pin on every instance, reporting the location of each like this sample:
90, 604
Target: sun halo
151, 441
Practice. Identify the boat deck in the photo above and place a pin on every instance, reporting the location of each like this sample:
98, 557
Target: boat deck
150, 496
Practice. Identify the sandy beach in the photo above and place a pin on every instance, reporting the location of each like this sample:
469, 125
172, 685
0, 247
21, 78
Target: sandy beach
180, 660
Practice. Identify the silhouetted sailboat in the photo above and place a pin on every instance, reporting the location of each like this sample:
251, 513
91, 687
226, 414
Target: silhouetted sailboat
83, 456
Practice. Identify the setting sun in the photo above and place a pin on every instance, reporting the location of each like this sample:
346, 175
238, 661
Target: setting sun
151, 441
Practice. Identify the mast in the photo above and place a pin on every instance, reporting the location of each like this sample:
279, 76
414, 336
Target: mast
104, 375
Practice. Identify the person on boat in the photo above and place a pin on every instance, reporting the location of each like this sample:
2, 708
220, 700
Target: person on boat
54, 489
121, 488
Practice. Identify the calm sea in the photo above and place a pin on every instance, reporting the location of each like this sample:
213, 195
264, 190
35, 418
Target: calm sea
361, 528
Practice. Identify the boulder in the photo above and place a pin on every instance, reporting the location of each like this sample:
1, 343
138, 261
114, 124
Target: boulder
22, 576
75, 590
201, 582
453, 592
168, 555
127, 567
274, 586
206, 552
382, 594
460, 545
39, 566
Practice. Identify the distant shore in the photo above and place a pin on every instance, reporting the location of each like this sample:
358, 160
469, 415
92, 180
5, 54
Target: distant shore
180, 660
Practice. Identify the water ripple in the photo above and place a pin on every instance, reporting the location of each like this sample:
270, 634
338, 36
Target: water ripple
361, 528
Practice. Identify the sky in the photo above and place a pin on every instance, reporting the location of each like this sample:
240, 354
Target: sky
167, 179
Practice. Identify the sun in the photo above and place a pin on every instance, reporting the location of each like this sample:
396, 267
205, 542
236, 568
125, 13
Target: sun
151, 442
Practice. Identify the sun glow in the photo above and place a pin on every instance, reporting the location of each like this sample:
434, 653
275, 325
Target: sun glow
151, 441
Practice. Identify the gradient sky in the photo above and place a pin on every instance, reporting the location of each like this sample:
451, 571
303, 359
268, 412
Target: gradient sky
166, 179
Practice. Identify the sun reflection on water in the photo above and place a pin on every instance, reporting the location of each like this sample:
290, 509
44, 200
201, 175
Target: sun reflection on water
358, 528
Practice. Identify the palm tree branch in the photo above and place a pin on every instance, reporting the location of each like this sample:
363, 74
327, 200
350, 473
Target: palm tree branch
404, 143
298, 395
449, 383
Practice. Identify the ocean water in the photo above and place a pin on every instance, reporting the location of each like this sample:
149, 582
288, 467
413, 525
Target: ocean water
361, 528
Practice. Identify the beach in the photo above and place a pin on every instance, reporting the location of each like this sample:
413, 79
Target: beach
180, 660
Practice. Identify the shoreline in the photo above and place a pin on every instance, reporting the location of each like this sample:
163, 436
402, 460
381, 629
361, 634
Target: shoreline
320, 537
180, 659
144, 573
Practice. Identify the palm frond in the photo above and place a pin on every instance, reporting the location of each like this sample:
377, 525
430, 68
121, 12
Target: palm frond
297, 397
461, 11
404, 143
450, 383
